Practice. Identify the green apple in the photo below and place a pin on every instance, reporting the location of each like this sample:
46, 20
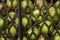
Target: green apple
33, 37
58, 10
29, 31
56, 18
57, 3
36, 31
12, 14
8, 3
15, 3
24, 4
36, 12
1, 22
24, 38
44, 29
13, 30
40, 19
52, 11
57, 37
24, 21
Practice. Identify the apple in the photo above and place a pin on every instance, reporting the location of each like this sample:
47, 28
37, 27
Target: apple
1, 22
12, 30
57, 3
24, 4
36, 30
24, 21
29, 31
32, 37
12, 14
44, 29
57, 37
36, 12
58, 10
52, 11
24, 38
15, 3
8, 3
40, 19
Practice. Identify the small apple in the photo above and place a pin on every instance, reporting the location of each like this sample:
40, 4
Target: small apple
33, 37
12, 14
36, 31
24, 38
29, 31
57, 3
8, 3
24, 4
36, 12
44, 29
24, 21
57, 37
15, 3
52, 11
12, 30
1, 22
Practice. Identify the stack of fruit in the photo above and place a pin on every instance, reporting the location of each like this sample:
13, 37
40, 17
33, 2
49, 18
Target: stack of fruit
35, 22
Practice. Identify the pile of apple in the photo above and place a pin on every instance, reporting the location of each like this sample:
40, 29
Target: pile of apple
35, 20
